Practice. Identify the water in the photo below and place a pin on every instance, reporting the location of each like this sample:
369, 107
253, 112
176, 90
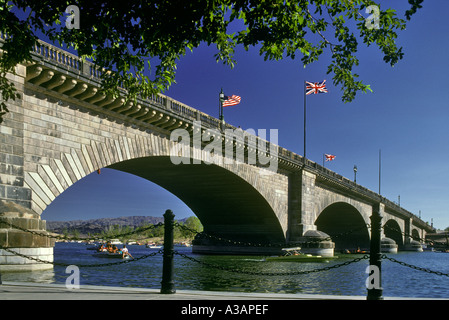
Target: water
397, 280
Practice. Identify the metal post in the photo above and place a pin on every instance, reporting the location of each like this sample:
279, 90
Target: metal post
167, 283
305, 113
375, 258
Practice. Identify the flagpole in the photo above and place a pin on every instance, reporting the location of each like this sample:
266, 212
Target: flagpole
380, 168
305, 121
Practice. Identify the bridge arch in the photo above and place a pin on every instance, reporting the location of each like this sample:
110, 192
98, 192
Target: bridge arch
393, 230
415, 235
233, 200
226, 204
345, 224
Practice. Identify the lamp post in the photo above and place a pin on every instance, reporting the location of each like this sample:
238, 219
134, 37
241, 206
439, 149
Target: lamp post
221, 99
355, 173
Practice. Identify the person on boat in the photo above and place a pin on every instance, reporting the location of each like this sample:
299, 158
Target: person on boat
114, 249
125, 252
109, 246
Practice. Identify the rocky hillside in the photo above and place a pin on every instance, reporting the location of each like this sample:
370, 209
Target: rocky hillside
93, 226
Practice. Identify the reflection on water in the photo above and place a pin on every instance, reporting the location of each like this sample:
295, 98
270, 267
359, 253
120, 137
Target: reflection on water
40, 276
397, 280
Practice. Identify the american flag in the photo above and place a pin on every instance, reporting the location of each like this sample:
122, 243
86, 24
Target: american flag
315, 87
329, 157
231, 101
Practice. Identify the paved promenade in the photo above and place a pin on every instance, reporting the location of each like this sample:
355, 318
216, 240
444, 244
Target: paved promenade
38, 291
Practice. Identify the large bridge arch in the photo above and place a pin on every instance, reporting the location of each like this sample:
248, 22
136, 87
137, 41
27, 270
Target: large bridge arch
345, 224
226, 204
233, 200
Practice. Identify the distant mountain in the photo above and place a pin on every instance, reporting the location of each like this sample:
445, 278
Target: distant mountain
93, 226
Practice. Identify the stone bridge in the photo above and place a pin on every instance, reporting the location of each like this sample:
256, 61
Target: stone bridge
63, 128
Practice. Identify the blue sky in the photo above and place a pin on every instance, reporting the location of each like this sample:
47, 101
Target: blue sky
406, 117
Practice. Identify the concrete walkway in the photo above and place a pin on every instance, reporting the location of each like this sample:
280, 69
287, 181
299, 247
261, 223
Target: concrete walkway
39, 291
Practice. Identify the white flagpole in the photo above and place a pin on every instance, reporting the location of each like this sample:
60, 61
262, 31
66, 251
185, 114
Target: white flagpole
380, 168
305, 120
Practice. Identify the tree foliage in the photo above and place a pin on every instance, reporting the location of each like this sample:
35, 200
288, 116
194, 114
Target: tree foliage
141, 41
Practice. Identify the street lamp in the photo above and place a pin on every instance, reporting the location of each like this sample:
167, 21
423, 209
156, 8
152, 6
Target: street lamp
355, 173
221, 99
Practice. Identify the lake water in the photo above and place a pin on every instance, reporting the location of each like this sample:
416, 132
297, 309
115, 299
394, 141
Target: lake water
397, 280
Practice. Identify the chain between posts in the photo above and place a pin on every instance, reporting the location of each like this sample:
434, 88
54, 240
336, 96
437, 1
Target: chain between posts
415, 267
271, 273
81, 266
59, 237
278, 245
177, 224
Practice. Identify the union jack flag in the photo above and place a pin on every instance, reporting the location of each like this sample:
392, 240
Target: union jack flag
329, 157
315, 87
231, 101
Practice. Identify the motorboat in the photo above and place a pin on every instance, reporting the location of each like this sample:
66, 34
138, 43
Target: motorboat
295, 255
153, 246
106, 254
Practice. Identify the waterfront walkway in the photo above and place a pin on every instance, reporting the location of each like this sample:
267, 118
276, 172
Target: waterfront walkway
39, 291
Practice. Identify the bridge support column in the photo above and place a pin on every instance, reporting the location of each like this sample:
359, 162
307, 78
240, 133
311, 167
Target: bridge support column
302, 230
35, 244
301, 189
409, 243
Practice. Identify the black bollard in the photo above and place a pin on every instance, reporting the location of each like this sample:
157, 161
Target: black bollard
375, 257
167, 283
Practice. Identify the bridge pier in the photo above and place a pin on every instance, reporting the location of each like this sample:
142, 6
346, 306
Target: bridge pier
302, 230
300, 205
409, 243
36, 244
15, 195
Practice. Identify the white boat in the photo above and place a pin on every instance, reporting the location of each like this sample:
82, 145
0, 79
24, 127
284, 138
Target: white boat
153, 246
115, 241
295, 255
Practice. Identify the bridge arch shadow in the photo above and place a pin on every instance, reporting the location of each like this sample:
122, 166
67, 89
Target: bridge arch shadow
345, 225
393, 231
227, 205
415, 235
